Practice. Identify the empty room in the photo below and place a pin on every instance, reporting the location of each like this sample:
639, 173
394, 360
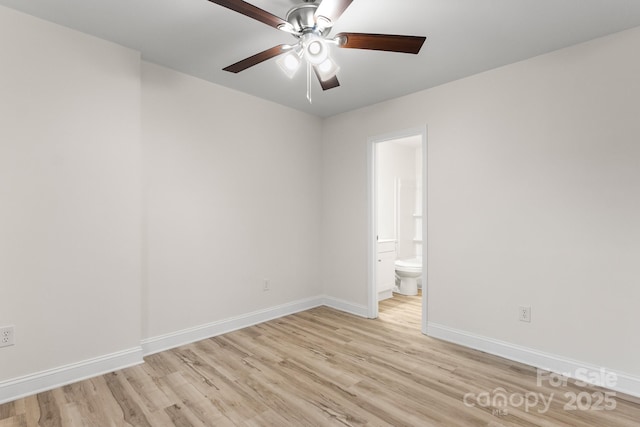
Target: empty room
319, 213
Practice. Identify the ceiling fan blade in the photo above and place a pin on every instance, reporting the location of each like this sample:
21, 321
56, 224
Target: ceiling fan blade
257, 58
386, 42
332, 9
326, 84
252, 12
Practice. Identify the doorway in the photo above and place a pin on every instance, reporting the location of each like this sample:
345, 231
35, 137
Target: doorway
397, 189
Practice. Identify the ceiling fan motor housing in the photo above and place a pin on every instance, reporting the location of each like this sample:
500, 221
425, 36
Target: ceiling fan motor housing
302, 19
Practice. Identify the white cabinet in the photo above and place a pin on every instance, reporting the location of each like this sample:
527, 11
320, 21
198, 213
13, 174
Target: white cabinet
385, 268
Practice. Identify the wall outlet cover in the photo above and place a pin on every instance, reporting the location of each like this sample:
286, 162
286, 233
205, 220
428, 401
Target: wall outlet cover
524, 313
7, 336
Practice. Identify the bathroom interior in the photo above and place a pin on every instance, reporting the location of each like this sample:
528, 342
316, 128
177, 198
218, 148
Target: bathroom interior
399, 218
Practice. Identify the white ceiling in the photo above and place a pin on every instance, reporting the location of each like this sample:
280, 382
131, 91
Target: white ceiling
464, 37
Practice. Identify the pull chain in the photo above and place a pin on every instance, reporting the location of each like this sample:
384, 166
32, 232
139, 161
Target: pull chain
309, 82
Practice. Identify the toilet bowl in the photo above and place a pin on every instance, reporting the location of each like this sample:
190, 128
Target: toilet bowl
408, 271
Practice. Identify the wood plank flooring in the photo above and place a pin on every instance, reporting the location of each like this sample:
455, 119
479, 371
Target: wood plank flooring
320, 367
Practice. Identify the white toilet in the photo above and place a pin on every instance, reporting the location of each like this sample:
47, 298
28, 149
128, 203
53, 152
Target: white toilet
408, 271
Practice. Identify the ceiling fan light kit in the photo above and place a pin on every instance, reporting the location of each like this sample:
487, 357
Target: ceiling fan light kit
290, 63
327, 69
311, 23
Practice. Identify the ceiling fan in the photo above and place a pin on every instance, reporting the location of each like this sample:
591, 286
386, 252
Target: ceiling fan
310, 23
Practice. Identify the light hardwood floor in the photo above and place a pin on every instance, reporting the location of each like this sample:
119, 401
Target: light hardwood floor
317, 368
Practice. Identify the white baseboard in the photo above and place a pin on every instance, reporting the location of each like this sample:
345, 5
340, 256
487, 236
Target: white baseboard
197, 333
383, 295
625, 383
46, 380
42, 381
348, 307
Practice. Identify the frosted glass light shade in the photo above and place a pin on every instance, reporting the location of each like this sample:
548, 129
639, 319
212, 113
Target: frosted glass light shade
289, 63
327, 69
316, 50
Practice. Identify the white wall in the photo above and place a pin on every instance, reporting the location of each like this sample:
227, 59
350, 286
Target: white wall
232, 188
70, 189
418, 207
396, 181
137, 202
533, 184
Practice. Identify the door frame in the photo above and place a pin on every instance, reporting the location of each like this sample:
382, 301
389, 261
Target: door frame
372, 292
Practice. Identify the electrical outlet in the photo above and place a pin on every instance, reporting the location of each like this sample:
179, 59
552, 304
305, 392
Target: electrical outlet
6, 336
524, 313
266, 286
